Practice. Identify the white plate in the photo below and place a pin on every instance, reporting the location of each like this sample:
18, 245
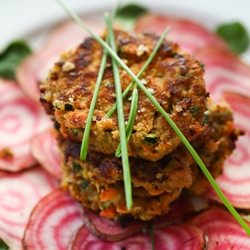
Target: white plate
30, 19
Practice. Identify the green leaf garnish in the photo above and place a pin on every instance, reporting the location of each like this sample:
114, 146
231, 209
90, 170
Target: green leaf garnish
11, 57
235, 35
3, 245
164, 114
128, 14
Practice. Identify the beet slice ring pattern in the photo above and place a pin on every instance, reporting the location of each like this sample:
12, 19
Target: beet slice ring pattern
182, 236
224, 71
222, 229
46, 152
20, 120
235, 179
35, 67
189, 34
19, 193
53, 222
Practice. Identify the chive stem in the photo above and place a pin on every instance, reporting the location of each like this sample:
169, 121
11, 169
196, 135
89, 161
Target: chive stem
121, 122
149, 60
131, 119
151, 231
165, 115
84, 147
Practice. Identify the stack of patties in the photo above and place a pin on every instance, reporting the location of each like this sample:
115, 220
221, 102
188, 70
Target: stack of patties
161, 167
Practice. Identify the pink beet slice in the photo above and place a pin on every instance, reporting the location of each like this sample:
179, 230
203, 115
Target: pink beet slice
110, 231
44, 149
224, 71
53, 222
188, 34
182, 236
20, 120
63, 37
222, 229
19, 193
235, 180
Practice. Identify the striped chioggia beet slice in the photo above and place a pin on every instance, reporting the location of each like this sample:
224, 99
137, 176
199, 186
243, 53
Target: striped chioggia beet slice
63, 37
224, 71
109, 230
189, 34
181, 236
20, 120
235, 179
19, 193
53, 222
223, 231
44, 149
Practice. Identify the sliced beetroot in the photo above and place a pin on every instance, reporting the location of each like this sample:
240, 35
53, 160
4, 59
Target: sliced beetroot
19, 193
182, 236
53, 222
224, 71
235, 180
44, 149
222, 229
188, 34
62, 37
108, 230
20, 120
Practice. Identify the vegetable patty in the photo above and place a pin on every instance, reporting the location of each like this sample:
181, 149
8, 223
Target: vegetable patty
174, 78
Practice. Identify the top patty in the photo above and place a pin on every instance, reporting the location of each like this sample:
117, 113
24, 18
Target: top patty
174, 78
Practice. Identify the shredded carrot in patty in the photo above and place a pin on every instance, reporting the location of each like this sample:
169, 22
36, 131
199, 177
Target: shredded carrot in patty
109, 194
152, 155
109, 212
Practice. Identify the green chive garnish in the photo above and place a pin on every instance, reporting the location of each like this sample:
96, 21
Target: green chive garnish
151, 230
149, 60
131, 119
121, 123
84, 147
165, 115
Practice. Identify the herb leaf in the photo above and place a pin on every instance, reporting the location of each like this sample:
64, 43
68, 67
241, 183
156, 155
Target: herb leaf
150, 139
11, 57
195, 109
235, 35
128, 14
3, 245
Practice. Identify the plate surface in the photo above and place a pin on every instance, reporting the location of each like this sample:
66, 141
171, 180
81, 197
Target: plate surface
29, 19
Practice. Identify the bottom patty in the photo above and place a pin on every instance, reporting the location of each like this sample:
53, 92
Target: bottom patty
98, 182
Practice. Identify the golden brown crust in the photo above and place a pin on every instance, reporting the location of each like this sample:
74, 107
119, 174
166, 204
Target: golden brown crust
160, 169
162, 180
175, 78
